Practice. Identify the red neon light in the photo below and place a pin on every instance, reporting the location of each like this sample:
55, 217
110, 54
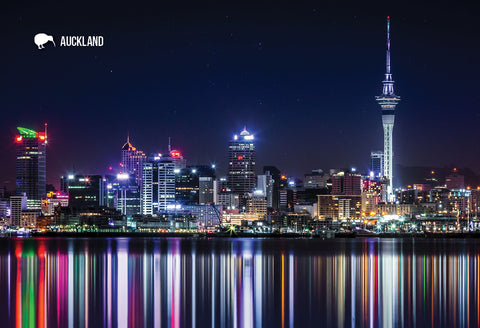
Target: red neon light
175, 154
18, 139
240, 157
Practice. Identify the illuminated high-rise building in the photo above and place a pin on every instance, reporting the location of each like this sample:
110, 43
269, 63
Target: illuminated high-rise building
241, 164
346, 183
158, 191
31, 165
376, 167
86, 192
132, 161
388, 101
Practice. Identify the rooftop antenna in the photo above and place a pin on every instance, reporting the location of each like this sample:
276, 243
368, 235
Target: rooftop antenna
128, 136
46, 133
388, 45
169, 146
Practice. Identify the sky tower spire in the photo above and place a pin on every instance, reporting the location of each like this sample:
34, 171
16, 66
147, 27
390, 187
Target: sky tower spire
388, 45
388, 101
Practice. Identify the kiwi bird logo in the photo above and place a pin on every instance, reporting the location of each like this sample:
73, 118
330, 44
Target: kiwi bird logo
41, 39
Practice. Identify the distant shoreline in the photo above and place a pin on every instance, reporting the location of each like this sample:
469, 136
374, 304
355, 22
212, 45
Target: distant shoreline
328, 235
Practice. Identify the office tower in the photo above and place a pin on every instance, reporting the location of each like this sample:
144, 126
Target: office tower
18, 204
241, 164
376, 166
186, 186
126, 194
388, 101
346, 183
206, 190
158, 190
150, 170
371, 195
31, 165
86, 192
187, 183
316, 180
257, 203
275, 176
166, 185
132, 161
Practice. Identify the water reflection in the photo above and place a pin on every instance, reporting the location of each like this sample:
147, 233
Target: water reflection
239, 283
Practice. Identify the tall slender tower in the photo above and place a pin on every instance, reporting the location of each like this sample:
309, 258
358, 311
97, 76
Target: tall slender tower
388, 101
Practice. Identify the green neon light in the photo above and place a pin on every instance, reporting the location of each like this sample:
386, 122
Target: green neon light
27, 133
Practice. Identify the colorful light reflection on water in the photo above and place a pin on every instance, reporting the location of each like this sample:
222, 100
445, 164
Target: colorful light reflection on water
176, 282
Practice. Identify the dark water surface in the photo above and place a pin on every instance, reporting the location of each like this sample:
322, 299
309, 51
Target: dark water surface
175, 282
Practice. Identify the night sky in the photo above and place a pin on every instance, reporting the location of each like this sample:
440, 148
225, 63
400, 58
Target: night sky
302, 77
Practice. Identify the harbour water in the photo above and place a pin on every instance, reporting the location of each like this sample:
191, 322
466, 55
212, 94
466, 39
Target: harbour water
239, 282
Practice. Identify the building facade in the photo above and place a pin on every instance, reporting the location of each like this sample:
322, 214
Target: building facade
31, 166
241, 164
132, 161
376, 164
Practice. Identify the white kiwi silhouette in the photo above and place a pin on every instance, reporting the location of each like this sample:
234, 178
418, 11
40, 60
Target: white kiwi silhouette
41, 39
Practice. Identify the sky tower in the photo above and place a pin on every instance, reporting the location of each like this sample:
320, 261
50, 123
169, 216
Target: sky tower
388, 101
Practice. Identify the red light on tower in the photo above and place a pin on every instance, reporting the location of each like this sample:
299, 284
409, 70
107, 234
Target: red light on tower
110, 168
175, 154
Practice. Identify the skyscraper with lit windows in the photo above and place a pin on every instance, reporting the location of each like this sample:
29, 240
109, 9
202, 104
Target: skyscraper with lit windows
132, 161
31, 165
241, 164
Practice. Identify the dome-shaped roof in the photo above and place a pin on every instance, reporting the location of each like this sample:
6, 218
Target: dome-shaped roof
244, 132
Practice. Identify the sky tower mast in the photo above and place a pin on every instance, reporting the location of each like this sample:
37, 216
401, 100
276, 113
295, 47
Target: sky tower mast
388, 101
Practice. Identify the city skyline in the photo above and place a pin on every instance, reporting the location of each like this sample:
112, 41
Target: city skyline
88, 123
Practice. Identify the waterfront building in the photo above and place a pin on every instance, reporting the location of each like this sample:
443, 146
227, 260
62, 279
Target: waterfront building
187, 184
257, 203
17, 205
158, 190
54, 200
241, 164
339, 207
126, 193
86, 192
31, 165
206, 215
